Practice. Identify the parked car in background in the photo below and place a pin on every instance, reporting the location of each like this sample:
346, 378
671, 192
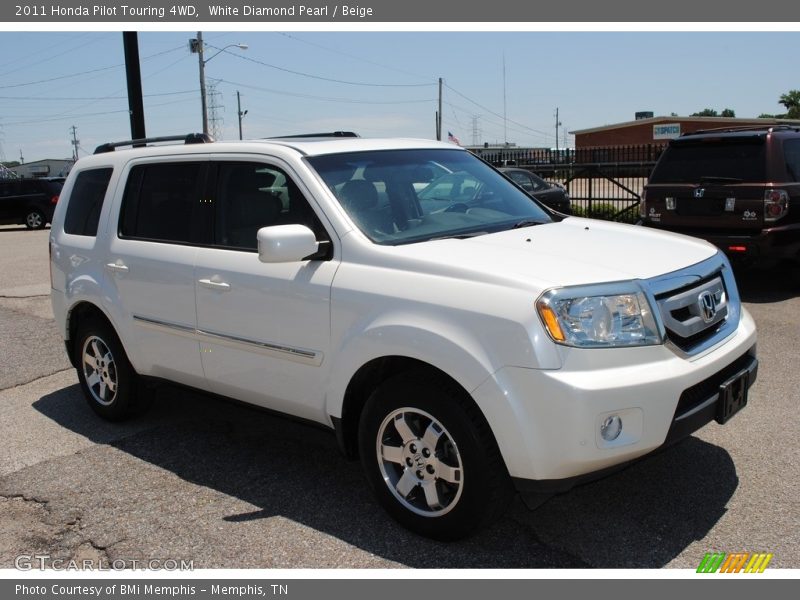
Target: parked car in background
551, 194
737, 188
28, 201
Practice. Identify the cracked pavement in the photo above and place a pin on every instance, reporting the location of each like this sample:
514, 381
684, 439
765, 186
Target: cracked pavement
228, 486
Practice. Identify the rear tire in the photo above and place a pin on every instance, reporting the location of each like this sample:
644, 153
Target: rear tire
35, 219
430, 458
108, 380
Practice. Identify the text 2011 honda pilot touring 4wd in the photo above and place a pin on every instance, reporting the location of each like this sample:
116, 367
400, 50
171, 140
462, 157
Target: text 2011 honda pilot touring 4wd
459, 349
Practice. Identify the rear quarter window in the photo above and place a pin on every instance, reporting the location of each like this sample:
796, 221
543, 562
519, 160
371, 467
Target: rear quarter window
86, 202
791, 154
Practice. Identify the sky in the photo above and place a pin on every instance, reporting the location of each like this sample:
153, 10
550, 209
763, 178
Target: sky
381, 83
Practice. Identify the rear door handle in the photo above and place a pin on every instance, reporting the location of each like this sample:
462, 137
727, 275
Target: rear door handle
117, 267
215, 285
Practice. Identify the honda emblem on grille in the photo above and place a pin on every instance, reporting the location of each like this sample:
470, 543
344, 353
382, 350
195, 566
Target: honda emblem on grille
708, 306
698, 193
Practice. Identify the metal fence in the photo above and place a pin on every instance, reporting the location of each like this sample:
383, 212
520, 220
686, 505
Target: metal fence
604, 183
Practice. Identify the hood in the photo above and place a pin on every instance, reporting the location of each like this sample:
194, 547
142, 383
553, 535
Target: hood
574, 251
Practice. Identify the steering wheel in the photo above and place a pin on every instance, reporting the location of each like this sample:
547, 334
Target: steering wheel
457, 207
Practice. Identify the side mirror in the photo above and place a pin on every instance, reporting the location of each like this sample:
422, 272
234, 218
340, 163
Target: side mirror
285, 243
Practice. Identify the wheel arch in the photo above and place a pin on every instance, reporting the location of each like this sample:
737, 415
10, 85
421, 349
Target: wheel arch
81, 311
366, 379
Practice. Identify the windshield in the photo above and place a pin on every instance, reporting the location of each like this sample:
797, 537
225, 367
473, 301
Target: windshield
405, 196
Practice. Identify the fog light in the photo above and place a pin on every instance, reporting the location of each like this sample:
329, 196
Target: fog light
670, 202
611, 428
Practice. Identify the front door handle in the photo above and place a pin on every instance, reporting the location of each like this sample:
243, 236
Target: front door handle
117, 267
215, 285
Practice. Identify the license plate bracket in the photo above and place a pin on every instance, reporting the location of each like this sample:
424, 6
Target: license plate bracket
733, 394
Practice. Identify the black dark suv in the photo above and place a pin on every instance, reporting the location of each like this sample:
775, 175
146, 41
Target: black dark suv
736, 188
28, 201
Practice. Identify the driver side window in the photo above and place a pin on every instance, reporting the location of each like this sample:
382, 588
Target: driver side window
249, 196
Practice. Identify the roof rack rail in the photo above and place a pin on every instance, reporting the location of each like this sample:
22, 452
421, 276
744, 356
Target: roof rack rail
330, 134
192, 138
769, 128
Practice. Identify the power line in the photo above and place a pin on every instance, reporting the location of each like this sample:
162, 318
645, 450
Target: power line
319, 77
69, 117
353, 56
90, 71
468, 99
24, 66
543, 134
69, 98
326, 98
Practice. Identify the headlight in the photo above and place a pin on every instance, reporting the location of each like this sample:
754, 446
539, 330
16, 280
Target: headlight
589, 317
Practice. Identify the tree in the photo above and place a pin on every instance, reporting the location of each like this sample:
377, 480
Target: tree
791, 100
706, 112
710, 112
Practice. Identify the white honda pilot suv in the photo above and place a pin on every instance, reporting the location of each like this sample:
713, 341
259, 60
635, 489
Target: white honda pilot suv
461, 339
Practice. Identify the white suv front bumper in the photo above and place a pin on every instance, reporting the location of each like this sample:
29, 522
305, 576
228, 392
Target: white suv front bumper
547, 422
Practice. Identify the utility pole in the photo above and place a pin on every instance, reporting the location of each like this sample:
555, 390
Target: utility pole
196, 45
75, 142
439, 114
21, 158
239, 112
130, 42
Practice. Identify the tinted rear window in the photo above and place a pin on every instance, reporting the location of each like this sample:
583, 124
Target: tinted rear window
86, 202
738, 160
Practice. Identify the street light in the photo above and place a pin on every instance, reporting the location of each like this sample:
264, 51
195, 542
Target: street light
196, 46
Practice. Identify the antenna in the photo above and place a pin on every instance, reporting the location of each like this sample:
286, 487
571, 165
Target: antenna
505, 118
558, 124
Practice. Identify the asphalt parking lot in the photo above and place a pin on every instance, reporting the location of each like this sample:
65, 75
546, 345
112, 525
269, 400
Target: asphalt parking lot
226, 486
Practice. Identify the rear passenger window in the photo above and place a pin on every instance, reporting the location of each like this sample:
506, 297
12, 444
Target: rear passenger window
161, 203
86, 202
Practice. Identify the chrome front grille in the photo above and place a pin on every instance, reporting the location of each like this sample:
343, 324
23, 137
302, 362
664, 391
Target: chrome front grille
698, 306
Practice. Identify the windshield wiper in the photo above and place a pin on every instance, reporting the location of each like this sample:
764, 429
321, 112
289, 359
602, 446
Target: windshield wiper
716, 179
526, 223
459, 236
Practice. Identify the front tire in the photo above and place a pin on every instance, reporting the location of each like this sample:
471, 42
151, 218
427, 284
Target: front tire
430, 457
108, 380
